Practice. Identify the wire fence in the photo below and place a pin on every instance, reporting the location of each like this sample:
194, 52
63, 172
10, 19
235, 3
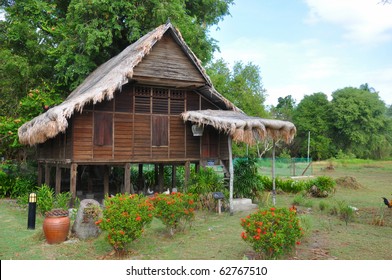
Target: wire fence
286, 167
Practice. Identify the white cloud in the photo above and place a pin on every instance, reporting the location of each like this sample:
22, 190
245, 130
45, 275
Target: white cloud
365, 21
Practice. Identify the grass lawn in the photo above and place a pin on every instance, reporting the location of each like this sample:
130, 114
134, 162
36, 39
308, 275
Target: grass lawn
217, 237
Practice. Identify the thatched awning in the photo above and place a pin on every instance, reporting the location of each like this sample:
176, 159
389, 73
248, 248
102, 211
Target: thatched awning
101, 85
242, 128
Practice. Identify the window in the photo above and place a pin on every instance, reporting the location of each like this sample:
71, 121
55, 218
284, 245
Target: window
160, 125
103, 129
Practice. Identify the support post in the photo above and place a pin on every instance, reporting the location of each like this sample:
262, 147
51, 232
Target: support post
160, 177
47, 174
127, 178
73, 175
273, 174
106, 181
231, 171
58, 179
187, 174
39, 174
174, 176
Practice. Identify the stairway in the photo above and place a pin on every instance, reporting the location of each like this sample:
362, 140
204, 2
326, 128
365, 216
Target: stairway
243, 204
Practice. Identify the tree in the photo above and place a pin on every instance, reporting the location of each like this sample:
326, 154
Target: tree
242, 85
285, 108
312, 115
62, 41
360, 125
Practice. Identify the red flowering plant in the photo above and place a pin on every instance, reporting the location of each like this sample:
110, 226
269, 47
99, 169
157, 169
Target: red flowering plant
175, 210
124, 219
272, 232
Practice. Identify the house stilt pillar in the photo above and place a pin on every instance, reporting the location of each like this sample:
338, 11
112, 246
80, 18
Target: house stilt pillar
73, 180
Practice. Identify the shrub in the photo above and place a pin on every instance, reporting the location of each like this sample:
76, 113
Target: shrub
205, 181
247, 182
272, 232
322, 186
346, 212
124, 219
47, 200
174, 210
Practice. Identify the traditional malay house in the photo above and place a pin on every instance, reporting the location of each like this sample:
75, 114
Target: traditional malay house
151, 104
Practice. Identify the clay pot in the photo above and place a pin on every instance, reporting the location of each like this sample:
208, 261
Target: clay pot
56, 226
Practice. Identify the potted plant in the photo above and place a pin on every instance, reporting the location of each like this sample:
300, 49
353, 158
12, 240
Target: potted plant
56, 224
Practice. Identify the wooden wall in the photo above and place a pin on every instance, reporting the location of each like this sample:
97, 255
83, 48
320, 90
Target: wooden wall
141, 124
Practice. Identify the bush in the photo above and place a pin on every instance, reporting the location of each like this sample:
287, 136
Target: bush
272, 232
205, 181
47, 200
322, 186
124, 219
174, 210
247, 182
16, 180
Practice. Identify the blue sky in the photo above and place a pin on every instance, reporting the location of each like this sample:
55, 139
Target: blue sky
308, 46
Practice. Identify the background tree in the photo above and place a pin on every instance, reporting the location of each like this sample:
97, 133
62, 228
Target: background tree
313, 115
284, 109
360, 125
242, 85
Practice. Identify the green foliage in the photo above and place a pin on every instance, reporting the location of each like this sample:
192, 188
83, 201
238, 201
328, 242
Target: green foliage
124, 219
272, 232
205, 181
16, 179
285, 108
313, 115
31, 105
360, 124
242, 85
346, 212
175, 210
47, 200
322, 186
247, 182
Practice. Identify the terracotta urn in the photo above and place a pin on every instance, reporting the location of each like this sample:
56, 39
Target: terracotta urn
56, 226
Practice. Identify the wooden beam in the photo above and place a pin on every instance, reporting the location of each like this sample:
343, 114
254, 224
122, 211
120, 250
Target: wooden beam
39, 174
127, 179
106, 181
73, 179
47, 174
231, 171
187, 174
273, 174
160, 177
58, 179
174, 175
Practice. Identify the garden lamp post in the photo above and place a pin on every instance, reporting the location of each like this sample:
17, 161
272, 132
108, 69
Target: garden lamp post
32, 211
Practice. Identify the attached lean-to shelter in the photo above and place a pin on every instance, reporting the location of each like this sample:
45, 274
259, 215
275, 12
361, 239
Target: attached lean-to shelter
151, 104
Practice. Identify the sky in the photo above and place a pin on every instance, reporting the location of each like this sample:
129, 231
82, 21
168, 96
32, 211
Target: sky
306, 46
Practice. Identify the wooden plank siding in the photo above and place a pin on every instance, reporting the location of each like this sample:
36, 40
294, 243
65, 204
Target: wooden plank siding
168, 62
144, 126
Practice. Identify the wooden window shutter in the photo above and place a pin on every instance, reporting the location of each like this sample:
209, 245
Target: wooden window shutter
103, 129
160, 133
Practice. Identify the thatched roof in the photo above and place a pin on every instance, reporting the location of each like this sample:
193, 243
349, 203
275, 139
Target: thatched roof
242, 128
105, 80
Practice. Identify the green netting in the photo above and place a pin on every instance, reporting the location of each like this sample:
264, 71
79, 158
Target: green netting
286, 167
